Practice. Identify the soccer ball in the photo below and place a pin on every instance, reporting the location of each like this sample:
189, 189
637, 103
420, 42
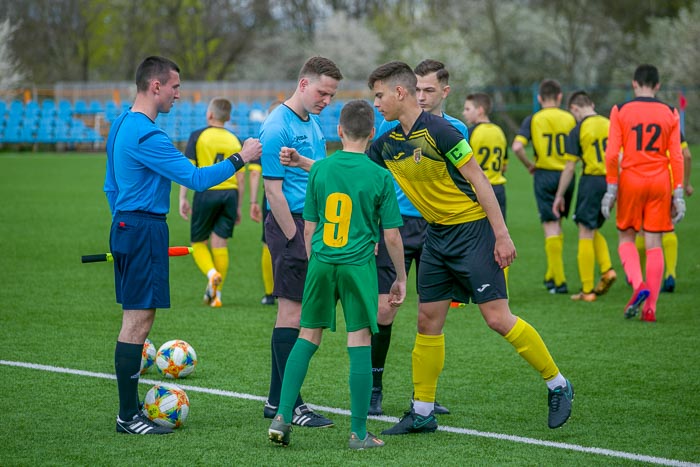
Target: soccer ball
148, 356
176, 359
167, 405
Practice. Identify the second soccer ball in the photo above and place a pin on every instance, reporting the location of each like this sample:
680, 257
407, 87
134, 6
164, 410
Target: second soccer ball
176, 359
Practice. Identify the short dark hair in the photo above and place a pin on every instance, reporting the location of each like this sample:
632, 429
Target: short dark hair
433, 66
646, 75
357, 119
315, 67
580, 99
154, 67
481, 99
394, 73
549, 89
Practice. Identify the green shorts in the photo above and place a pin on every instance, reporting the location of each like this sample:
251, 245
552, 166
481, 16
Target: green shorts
354, 285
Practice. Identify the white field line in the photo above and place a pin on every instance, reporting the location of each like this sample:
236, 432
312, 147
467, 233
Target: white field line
461, 431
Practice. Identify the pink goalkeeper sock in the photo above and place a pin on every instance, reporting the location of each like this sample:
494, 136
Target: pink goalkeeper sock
629, 256
655, 274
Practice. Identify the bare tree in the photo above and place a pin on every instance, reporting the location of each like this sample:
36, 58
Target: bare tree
11, 73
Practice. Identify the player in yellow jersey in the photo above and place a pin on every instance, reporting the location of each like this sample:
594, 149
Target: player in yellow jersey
217, 210
467, 244
586, 143
488, 143
547, 129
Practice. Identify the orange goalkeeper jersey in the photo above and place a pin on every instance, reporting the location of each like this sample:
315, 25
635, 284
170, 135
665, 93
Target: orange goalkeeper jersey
647, 132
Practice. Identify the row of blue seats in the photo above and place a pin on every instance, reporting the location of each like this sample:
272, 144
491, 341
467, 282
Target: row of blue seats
111, 109
24, 124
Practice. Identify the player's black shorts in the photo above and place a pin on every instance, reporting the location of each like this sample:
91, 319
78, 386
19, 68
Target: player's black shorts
500, 192
412, 235
591, 189
546, 183
289, 261
265, 210
213, 211
138, 242
458, 264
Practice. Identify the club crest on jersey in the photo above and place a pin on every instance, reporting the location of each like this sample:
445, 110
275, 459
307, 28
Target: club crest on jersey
417, 155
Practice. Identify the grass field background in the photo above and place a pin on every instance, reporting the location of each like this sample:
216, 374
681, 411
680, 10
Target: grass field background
637, 384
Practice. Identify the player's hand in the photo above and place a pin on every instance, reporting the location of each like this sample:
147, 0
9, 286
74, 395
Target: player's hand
255, 212
504, 252
397, 293
239, 216
678, 210
185, 209
251, 150
558, 206
608, 201
689, 190
289, 157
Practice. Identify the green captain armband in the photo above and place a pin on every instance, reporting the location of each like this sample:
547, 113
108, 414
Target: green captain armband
459, 155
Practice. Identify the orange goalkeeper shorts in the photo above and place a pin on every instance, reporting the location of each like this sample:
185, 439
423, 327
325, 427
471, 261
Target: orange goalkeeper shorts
644, 202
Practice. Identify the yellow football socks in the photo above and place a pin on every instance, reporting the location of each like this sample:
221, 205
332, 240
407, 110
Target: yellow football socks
220, 256
532, 348
554, 247
586, 264
266, 266
202, 257
428, 359
669, 241
641, 249
602, 252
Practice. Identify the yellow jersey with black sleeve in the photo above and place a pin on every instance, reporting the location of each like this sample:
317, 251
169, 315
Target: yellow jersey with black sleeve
210, 145
425, 163
547, 129
490, 150
587, 142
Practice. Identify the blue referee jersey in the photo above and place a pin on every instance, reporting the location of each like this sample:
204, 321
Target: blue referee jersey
142, 162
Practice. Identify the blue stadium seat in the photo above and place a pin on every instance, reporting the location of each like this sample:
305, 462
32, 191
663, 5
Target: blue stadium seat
13, 134
96, 106
112, 111
182, 108
65, 109
200, 108
80, 107
46, 135
16, 108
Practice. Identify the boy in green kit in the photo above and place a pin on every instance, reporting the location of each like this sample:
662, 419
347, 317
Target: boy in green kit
347, 198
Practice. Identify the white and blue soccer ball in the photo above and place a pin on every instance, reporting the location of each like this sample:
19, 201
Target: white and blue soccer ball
148, 356
176, 359
167, 405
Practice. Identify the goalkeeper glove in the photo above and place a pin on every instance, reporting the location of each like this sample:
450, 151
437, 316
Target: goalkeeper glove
678, 210
608, 201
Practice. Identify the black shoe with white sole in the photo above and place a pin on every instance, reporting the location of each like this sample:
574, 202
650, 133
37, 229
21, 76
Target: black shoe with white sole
141, 425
